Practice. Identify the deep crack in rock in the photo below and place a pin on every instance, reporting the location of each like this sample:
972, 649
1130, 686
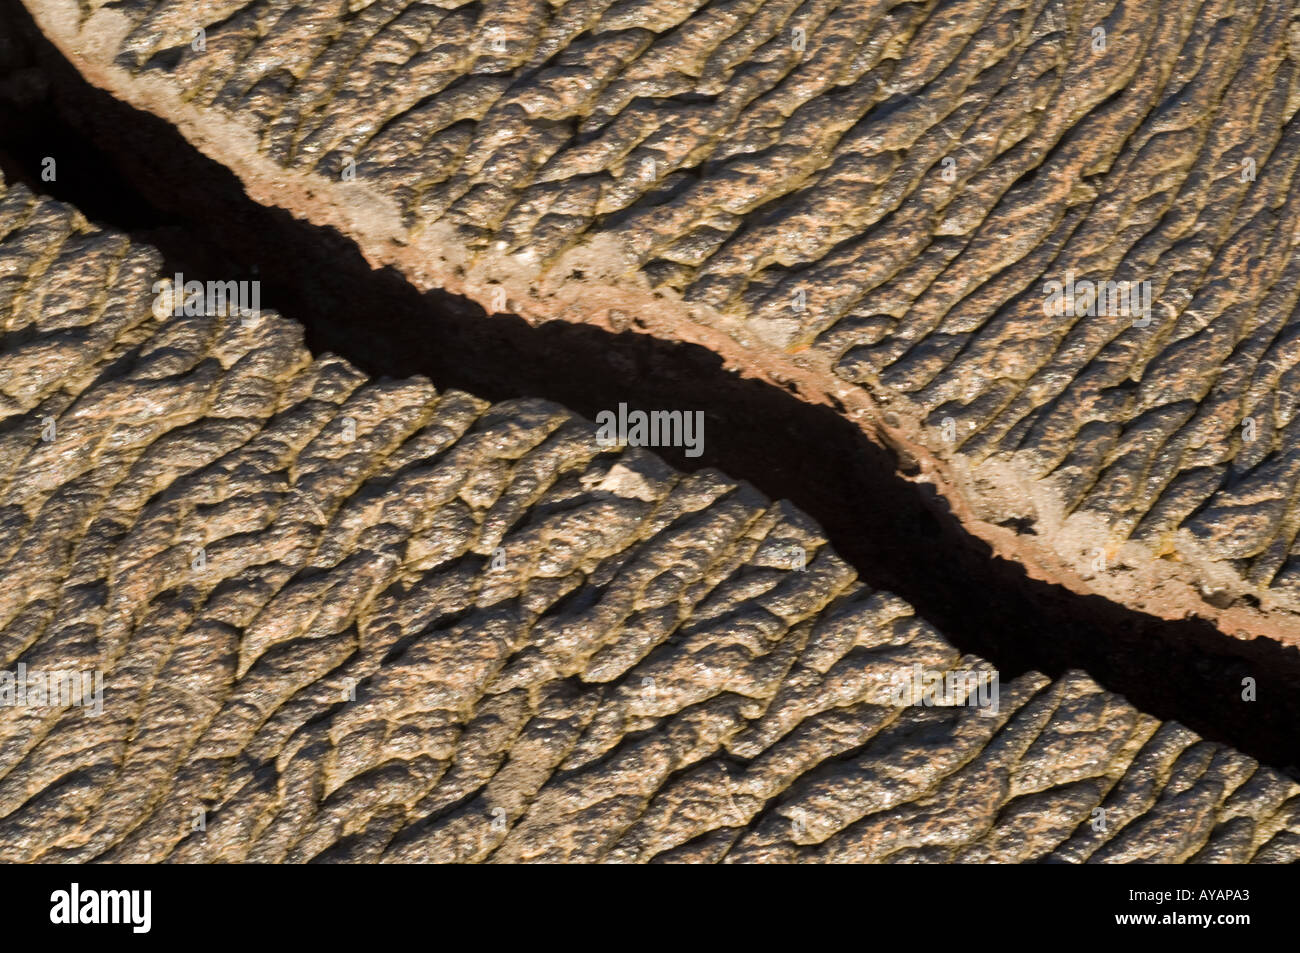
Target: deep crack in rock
346, 619
867, 202
898, 535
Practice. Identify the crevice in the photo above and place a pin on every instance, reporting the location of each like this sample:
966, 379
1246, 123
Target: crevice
135, 173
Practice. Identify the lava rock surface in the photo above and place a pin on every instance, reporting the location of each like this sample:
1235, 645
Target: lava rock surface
343, 618
865, 201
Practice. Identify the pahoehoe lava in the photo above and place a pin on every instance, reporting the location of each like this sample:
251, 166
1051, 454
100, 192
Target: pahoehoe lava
130, 170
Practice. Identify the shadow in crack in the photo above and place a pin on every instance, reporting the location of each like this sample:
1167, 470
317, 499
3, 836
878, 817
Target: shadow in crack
133, 172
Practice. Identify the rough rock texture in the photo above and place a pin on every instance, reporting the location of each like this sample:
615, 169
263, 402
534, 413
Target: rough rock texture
344, 619
862, 199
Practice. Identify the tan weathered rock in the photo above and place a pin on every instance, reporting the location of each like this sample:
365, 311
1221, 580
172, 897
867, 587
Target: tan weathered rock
867, 201
346, 619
